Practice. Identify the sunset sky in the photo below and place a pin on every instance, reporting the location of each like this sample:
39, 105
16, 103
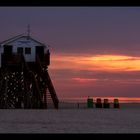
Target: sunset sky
95, 51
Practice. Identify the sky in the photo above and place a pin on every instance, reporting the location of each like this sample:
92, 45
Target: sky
95, 51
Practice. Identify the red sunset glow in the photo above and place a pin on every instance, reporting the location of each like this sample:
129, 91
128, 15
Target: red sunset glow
81, 74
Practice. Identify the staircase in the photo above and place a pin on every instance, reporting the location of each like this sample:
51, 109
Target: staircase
46, 78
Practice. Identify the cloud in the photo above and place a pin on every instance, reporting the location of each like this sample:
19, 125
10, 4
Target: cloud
84, 80
96, 62
95, 75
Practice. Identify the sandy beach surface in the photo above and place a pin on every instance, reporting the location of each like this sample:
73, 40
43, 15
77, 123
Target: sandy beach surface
71, 120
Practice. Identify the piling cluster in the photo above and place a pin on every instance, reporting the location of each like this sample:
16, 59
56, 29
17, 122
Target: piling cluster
102, 104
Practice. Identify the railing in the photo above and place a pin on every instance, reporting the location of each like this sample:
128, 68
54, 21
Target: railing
11, 59
44, 59
47, 58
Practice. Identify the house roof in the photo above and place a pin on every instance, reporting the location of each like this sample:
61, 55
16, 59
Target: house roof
10, 39
18, 37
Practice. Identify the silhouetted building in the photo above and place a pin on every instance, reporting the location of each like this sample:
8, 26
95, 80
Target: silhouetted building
106, 103
98, 103
116, 103
90, 102
24, 77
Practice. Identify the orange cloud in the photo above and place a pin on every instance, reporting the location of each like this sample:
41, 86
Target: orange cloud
96, 62
84, 80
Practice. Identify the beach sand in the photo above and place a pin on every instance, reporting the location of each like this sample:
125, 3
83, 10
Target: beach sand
69, 119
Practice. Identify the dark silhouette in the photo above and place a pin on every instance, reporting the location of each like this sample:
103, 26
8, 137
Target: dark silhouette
116, 103
98, 103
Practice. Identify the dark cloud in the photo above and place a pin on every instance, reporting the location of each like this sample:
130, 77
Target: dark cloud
77, 29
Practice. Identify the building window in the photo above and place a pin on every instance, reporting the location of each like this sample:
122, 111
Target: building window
27, 50
20, 50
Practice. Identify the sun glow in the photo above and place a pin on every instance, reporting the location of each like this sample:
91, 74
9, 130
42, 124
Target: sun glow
96, 62
111, 58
